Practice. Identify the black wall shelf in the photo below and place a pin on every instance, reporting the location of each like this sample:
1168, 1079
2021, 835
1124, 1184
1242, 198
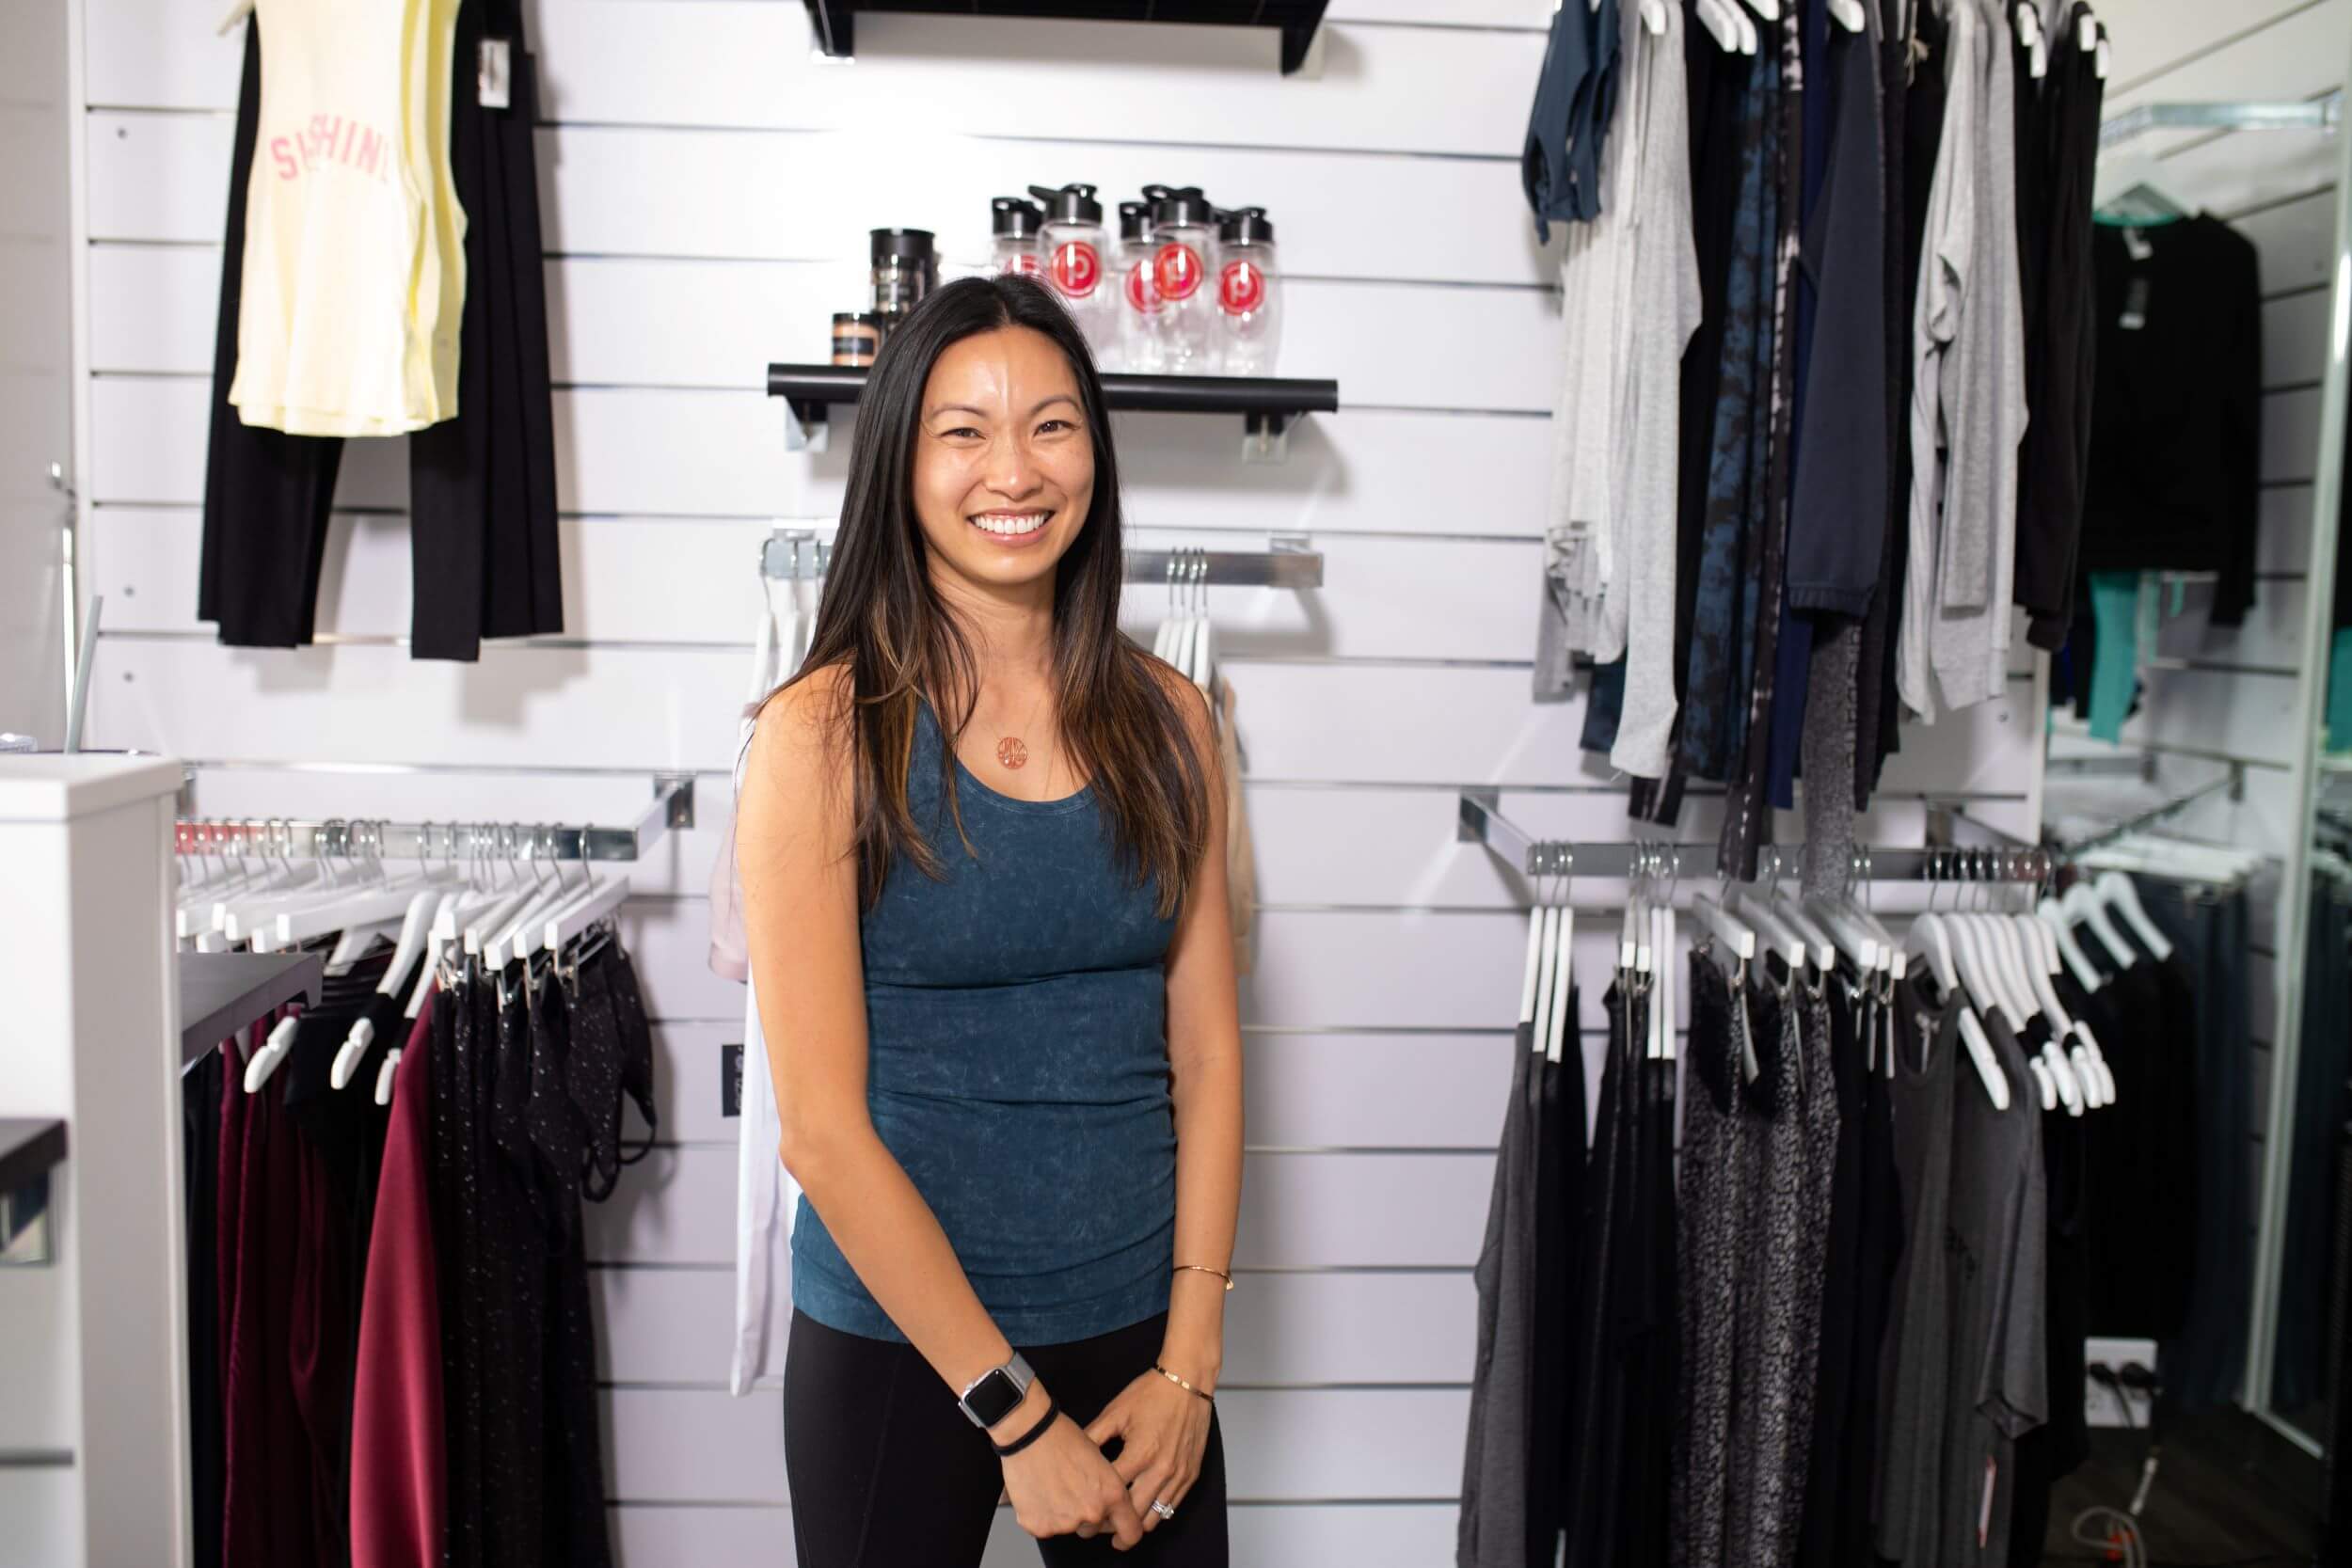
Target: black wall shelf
833, 23
1266, 404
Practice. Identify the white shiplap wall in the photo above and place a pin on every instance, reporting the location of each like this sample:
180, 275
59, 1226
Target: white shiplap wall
708, 187
2232, 694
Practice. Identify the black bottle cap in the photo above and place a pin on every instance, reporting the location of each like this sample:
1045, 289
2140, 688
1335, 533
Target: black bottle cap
1011, 218
901, 245
1246, 226
1070, 204
1131, 216
1185, 204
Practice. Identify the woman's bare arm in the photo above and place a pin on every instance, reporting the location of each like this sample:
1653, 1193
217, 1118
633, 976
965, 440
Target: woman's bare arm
1204, 1057
801, 918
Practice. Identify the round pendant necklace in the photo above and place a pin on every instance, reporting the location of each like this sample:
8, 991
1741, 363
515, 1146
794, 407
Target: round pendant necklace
1011, 750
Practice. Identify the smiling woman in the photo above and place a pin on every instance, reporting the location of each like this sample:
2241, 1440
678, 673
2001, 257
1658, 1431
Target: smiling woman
1000, 1015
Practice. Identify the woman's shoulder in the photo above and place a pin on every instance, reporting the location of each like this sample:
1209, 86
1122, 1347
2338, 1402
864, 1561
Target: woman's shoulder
797, 734
1190, 703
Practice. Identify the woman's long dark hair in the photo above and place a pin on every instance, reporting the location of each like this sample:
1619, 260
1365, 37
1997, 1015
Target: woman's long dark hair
883, 618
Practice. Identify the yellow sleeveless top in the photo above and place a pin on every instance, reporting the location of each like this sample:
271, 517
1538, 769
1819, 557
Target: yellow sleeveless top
355, 267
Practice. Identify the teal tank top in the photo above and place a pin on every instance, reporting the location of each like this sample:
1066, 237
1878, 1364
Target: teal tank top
1016, 1032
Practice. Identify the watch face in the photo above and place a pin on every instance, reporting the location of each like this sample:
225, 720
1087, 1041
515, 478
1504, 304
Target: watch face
993, 1397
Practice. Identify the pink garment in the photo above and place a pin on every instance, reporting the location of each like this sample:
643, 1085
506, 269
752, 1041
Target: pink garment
397, 1507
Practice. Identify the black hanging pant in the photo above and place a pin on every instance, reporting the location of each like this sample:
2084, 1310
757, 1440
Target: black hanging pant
482, 486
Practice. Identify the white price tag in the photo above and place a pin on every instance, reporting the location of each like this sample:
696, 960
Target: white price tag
494, 73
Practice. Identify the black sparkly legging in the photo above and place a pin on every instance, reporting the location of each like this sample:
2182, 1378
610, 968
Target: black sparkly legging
886, 1470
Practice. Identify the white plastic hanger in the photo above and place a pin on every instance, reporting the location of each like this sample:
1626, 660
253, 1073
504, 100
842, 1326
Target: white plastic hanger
2040, 955
274, 1050
2115, 890
1535, 964
2028, 24
2077, 961
568, 924
414, 929
434, 944
1717, 18
1768, 9
1849, 14
1556, 1022
1654, 17
1734, 936
1852, 940
1932, 939
1668, 1007
384, 1076
1775, 933
1988, 1065
2083, 907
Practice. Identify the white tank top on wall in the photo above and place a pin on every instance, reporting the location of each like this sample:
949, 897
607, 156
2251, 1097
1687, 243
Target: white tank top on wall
354, 269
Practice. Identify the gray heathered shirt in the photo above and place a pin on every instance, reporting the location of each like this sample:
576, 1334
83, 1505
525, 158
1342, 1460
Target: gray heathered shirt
1492, 1531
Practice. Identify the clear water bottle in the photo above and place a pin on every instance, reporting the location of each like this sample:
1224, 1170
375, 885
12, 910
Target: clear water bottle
1076, 266
1248, 294
1138, 297
1183, 240
1013, 225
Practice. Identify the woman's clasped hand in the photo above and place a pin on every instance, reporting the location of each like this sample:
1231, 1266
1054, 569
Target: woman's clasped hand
1064, 1483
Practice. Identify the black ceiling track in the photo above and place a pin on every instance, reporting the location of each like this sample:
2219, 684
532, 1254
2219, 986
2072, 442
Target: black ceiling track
833, 23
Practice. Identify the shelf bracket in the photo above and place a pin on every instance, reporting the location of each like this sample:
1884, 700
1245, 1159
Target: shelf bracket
807, 426
1266, 436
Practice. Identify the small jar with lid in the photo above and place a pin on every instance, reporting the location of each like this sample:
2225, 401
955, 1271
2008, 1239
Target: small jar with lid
856, 337
1013, 225
906, 267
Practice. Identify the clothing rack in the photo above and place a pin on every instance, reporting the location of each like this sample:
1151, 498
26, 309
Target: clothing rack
340, 838
1289, 560
2141, 764
1480, 822
2233, 780
2315, 114
223, 993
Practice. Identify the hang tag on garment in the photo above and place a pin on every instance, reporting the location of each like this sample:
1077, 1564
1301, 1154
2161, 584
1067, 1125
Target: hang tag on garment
494, 73
2135, 314
2139, 245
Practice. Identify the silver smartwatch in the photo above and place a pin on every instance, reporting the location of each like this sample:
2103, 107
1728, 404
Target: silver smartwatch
997, 1392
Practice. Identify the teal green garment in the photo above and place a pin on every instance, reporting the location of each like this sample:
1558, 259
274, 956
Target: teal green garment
2115, 661
1016, 1064
2339, 691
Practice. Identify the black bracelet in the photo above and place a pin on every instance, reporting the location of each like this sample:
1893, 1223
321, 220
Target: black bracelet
1005, 1451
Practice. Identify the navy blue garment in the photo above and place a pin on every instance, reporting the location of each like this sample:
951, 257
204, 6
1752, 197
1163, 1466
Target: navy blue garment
1016, 1037
1576, 97
1793, 648
1716, 671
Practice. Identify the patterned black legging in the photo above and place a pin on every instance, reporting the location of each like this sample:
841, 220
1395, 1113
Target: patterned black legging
886, 1470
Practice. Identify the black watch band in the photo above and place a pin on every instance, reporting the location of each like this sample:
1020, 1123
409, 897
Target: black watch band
1053, 1412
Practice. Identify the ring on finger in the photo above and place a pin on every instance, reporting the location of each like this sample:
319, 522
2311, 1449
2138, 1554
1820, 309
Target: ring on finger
1163, 1509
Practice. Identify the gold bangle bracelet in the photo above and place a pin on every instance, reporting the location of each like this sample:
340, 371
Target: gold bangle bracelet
1180, 1382
1205, 1269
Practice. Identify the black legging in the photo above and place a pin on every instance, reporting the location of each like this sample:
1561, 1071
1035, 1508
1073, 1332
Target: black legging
886, 1470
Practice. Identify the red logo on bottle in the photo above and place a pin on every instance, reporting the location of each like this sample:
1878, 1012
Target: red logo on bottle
1241, 288
1024, 262
1143, 295
1076, 268
1177, 270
